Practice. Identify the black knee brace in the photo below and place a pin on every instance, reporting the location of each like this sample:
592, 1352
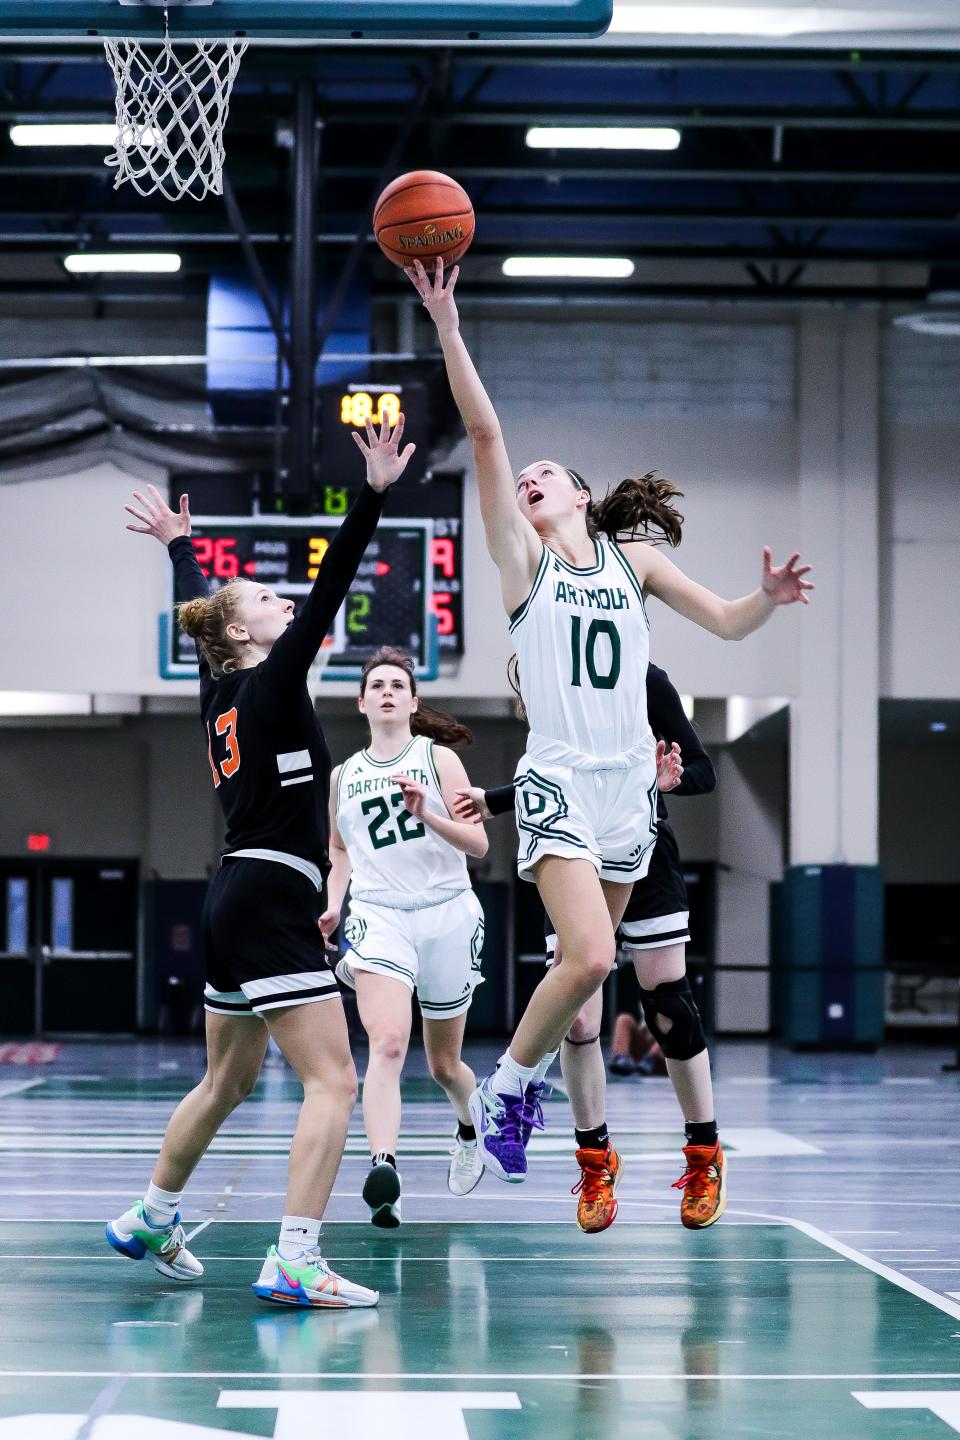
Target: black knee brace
592, 1041
674, 1001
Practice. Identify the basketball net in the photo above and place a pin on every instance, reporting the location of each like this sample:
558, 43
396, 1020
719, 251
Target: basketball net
172, 105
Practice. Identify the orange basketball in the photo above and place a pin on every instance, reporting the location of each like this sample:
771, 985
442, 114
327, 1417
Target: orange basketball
422, 215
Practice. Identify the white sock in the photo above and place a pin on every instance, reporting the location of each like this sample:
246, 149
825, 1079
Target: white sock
161, 1206
297, 1233
540, 1074
509, 1078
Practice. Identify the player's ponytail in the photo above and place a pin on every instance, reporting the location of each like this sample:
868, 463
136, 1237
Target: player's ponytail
636, 507
205, 620
513, 680
434, 724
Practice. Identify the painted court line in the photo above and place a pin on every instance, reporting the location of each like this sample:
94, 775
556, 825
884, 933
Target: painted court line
13, 1087
553, 1377
488, 1259
903, 1282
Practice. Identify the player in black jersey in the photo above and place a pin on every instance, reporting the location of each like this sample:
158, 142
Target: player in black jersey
654, 934
266, 960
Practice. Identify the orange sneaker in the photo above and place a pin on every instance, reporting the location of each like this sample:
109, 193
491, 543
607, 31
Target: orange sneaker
704, 1184
601, 1171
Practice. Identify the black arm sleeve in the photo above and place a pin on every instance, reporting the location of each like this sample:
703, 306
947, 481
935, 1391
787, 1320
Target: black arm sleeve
667, 718
295, 651
500, 800
190, 583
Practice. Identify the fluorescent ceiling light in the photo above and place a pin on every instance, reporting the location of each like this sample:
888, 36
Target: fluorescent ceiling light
99, 135
122, 264
104, 136
602, 137
938, 726
931, 322
559, 267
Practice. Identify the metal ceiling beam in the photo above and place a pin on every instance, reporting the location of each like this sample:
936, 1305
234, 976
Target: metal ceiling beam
646, 55
243, 174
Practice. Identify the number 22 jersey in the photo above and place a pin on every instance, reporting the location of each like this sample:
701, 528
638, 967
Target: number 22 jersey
396, 860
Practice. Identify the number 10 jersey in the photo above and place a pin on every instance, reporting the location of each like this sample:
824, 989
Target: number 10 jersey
397, 861
583, 645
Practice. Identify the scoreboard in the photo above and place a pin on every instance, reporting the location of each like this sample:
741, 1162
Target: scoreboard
389, 602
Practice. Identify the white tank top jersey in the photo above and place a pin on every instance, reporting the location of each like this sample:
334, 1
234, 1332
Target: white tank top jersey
583, 646
397, 861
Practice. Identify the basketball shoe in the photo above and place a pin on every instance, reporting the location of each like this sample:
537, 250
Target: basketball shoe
497, 1120
309, 1281
531, 1116
600, 1172
131, 1234
381, 1191
466, 1167
704, 1186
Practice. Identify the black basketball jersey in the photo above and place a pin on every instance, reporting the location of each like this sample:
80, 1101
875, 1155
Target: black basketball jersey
268, 756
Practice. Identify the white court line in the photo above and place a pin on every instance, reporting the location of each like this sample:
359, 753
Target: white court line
500, 1259
202, 1226
13, 1087
903, 1282
432, 1375
954, 1294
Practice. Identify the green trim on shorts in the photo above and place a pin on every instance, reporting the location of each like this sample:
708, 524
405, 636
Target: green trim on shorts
464, 1000
389, 964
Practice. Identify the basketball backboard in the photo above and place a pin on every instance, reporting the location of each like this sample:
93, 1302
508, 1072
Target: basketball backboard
303, 20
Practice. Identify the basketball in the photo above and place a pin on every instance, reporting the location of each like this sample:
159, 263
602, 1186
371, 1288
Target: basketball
422, 215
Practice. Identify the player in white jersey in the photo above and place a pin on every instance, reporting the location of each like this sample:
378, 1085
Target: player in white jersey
414, 922
555, 548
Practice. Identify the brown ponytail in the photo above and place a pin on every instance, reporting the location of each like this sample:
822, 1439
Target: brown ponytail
634, 507
513, 680
205, 620
434, 724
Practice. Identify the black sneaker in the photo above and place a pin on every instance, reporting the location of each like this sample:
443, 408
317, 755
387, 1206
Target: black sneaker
381, 1191
621, 1065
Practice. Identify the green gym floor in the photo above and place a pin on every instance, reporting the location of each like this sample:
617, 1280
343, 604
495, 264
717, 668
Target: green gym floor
819, 1306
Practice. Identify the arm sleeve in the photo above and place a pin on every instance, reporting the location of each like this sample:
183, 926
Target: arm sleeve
189, 581
500, 800
667, 718
295, 651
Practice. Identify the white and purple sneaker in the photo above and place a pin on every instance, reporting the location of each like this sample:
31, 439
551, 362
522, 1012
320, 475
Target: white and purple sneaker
497, 1120
531, 1115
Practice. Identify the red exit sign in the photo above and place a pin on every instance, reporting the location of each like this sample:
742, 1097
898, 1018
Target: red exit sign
38, 842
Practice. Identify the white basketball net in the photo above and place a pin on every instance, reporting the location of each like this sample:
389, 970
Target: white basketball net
171, 111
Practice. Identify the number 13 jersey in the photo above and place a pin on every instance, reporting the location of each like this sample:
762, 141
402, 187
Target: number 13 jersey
396, 860
583, 646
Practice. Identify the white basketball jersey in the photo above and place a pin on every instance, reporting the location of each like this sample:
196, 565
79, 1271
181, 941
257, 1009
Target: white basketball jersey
583, 646
397, 860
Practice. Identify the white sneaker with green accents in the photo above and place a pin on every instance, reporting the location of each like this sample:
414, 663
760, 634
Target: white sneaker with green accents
308, 1280
131, 1234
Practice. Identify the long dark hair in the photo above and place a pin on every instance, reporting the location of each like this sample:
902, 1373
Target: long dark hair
435, 724
513, 680
634, 507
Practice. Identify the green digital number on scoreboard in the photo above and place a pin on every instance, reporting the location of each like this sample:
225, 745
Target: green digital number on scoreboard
389, 603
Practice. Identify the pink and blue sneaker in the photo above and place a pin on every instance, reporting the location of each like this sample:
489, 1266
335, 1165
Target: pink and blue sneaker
132, 1235
498, 1121
309, 1281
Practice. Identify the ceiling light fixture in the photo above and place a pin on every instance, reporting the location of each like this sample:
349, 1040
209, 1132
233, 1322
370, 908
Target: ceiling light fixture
560, 267
938, 726
602, 137
103, 136
931, 322
119, 263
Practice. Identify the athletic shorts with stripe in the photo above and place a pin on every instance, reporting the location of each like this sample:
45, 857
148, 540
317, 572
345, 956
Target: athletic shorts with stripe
657, 912
261, 943
608, 817
434, 950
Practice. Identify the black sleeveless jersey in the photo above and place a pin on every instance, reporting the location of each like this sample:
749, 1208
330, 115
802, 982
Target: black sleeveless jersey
268, 756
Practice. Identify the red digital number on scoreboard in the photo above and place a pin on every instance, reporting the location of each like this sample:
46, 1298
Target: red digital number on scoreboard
216, 557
